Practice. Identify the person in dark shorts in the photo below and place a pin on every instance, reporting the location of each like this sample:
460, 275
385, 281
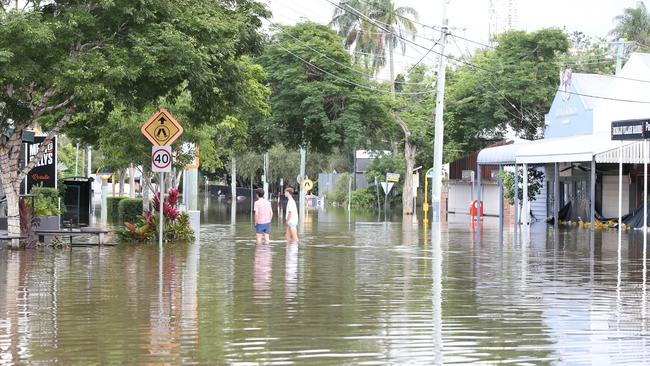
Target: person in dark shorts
263, 217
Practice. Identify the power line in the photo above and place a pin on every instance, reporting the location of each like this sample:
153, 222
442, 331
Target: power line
346, 80
329, 58
355, 11
423, 56
606, 98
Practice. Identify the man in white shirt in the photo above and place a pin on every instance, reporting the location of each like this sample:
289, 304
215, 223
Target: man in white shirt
291, 217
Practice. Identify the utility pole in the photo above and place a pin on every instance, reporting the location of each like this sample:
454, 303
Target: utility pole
436, 186
620, 51
303, 164
266, 175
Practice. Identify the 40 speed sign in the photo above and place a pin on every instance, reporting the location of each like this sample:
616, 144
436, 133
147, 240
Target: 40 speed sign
161, 159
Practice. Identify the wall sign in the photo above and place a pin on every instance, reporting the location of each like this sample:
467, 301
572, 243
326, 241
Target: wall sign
638, 129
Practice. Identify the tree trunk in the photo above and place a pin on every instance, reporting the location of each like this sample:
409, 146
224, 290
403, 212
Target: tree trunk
13, 212
131, 181
121, 175
144, 189
9, 175
410, 151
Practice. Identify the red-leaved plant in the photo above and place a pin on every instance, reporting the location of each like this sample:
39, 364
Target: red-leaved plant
176, 225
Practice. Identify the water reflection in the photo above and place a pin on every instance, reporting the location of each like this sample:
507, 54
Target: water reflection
291, 272
379, 293
263, 271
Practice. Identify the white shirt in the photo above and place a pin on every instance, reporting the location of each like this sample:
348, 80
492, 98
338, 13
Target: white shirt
291, 207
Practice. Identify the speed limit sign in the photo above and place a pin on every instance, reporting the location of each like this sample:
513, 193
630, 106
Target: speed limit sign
161, 159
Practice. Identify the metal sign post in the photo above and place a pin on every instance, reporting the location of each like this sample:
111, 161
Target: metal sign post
161, 130
387, 186
161, 162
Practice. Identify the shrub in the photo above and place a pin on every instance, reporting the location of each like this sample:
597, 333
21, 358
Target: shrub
129, 209
177, 224
340, 192
363, 198
46, 202
113, 208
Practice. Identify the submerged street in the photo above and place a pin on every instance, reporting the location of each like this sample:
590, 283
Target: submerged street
354, 291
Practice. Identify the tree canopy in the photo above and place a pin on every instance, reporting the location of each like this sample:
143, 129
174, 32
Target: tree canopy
633, 24
319, 100
510, 87
70, 64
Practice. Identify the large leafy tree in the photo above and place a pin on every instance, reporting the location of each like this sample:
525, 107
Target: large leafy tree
318, 101
67, 64
412, 113
381, 29
633, 24
507, 88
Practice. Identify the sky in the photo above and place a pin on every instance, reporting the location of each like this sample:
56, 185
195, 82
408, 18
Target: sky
470, 19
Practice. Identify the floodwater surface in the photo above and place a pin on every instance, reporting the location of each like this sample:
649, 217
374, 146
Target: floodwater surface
354, 291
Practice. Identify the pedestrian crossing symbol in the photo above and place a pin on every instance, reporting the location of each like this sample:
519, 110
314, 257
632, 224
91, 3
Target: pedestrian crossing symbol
162, 129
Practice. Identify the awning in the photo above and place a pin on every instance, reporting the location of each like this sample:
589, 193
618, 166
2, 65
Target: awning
565, 149
504, 154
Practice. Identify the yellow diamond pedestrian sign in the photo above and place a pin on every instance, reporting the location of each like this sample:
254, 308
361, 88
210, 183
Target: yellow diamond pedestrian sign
162, 129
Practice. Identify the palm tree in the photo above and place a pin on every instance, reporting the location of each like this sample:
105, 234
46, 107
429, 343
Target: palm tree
383, 27
633, 24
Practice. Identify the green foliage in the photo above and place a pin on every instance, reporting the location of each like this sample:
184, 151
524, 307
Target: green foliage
369, 41
46, 201
93, 69
129, 209
512, 87
535, 182
340, 192
386, 164
176, 224
179, 229
364, 198
588, 55
633, 24
113, 208
285, 164
312, 108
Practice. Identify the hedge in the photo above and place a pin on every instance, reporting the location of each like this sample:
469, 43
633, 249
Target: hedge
129, 209
112, 207
46, 202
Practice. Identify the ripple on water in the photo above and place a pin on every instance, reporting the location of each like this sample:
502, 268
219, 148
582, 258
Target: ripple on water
357, 292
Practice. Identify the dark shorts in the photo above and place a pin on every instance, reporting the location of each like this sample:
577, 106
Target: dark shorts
263, 228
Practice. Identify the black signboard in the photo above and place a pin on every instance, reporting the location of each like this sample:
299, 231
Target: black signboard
638, 129
44, 173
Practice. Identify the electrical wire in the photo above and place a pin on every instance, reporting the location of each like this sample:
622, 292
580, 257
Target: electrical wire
346, 80
372, 21
329, 58
424, 56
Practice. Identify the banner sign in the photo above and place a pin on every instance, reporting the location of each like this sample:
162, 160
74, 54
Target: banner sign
44, 173
631, 129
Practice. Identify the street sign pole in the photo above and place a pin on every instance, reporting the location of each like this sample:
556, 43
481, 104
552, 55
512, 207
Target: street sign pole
161, 199
161, 162
385, 205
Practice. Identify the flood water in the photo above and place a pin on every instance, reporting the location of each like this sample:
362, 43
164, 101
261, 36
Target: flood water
354, 291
